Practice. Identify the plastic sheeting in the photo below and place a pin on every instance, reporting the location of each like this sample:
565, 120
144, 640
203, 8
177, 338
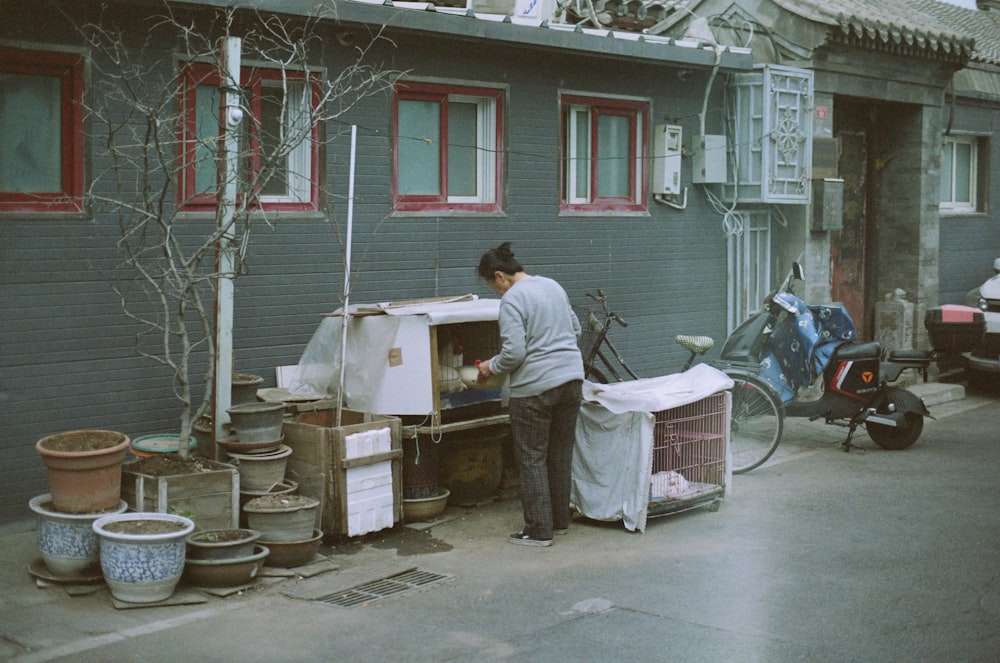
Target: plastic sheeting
370, 336
613, 458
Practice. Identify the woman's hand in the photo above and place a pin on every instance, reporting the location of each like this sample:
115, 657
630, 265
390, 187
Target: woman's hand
484, 370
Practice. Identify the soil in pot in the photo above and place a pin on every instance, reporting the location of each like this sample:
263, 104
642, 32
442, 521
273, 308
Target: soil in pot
144, 527
167, 465
85, 440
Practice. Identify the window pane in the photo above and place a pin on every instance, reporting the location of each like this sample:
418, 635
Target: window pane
462, 153
613, 142
419, 162
271, 133
207, 137
946, 171
581, 166
30, 136
963, 172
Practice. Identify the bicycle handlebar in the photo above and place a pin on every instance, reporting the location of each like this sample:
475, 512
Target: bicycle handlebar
601, 298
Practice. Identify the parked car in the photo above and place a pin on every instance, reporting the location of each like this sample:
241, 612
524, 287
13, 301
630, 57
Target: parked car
983, 363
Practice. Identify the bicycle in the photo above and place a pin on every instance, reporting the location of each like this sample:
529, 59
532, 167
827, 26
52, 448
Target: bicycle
757, 420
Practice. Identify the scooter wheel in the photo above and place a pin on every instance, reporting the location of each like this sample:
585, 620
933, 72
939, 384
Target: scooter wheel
899, 437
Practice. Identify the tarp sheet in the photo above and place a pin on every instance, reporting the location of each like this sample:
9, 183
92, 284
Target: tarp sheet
613, 458
371, 333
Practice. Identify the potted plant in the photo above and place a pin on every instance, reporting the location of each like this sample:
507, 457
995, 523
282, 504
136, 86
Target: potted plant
282, 518
142, 554
85, 469
226, 572
67, 541
221, 543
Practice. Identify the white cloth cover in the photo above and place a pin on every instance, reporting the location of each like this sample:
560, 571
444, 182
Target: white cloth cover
613, 457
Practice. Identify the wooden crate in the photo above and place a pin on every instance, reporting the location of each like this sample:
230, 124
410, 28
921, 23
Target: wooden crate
210, 497
319, 463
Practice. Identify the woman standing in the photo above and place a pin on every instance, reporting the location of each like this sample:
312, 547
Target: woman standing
538, 334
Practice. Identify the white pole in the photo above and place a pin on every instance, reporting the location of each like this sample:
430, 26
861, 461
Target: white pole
229, 163
347, 273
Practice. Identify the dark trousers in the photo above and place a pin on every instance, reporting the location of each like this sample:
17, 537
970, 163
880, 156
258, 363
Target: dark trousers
543, 428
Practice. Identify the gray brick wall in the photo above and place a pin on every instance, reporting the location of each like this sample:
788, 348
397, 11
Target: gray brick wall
68, 359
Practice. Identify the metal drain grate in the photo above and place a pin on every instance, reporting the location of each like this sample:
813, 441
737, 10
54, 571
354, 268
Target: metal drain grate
374, 590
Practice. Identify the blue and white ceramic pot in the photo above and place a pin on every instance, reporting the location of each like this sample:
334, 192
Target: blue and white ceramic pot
67, 541
142, 554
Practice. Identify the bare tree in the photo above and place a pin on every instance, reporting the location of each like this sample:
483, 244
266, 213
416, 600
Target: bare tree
159, 159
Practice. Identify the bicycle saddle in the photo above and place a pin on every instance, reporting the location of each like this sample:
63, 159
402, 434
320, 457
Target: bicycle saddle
696, 344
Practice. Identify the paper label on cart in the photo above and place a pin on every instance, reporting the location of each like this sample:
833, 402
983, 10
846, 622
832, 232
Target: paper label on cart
396, 357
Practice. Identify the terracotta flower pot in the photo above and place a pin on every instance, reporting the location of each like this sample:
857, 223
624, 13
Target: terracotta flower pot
85, 469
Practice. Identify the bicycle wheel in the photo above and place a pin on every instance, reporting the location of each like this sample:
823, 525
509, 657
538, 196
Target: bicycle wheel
756, 423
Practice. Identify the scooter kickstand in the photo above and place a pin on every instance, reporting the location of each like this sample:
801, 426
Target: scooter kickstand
846, 445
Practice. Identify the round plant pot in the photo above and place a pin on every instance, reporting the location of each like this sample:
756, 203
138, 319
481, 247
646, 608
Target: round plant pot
257, 422
216, 544
244, 388
67, 541
282, 518
261, 471
230, 572
286, 554
286, 487
85, 469
142, 554
425, 508
202, 431
146, 446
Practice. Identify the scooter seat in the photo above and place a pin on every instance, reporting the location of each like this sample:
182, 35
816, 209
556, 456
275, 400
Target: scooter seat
909, 355
869, 350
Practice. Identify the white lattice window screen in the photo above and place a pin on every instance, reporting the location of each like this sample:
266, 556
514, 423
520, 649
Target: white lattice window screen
772, 134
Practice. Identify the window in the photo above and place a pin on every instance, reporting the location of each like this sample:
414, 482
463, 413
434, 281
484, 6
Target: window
603, 154
278, 146
447, 148
41, 131
962, 188
749, 250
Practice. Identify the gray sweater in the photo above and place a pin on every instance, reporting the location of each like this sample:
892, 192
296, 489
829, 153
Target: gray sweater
538, 332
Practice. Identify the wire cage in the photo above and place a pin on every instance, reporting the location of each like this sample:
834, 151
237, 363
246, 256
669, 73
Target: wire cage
689, 455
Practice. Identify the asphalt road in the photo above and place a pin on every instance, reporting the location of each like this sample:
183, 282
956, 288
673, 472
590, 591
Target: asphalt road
819, 555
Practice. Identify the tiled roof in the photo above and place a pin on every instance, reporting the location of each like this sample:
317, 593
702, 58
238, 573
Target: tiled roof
890, 22
982, 26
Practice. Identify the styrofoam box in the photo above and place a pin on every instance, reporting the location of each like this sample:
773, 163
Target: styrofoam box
368, 443
369, 498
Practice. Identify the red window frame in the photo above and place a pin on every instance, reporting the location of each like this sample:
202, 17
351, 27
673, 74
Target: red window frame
251, 78
638, 153
411, 91
69, 69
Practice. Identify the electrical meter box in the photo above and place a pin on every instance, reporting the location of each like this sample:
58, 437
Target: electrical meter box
709, 160
667, 159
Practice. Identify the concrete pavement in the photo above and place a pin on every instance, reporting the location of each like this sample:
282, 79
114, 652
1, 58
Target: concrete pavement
816, 556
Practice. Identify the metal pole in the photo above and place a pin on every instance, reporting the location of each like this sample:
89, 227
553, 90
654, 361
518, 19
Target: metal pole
347, 273
229, 165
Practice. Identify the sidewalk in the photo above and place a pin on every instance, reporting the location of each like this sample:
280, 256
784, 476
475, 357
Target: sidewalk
590, 594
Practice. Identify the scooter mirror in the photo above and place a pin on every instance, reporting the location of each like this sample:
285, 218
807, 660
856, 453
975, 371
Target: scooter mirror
800, 274
996, 265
